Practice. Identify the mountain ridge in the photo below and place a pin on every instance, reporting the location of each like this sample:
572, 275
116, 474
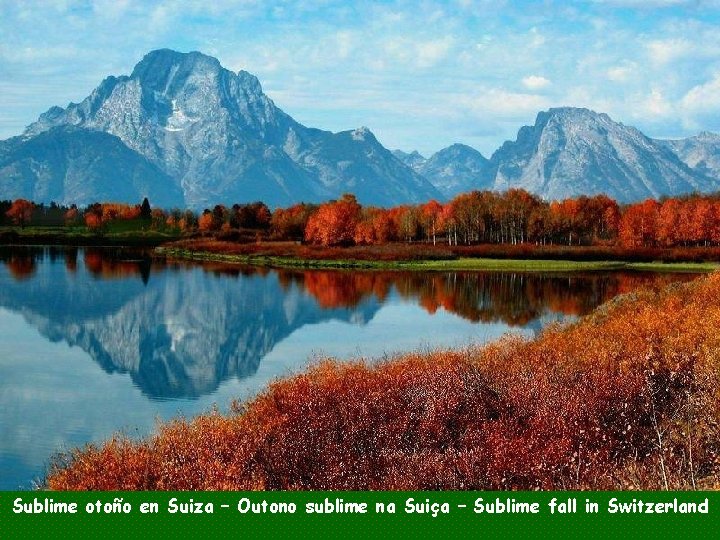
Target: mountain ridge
184, 131
573, 151
222, 139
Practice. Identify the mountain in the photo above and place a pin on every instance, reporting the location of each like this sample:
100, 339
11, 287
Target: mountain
572, 151
73, 165
222, 140
457, 169
701, 153
184, 131
414, 159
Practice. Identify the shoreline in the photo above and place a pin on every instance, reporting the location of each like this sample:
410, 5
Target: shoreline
458, 264
508, 415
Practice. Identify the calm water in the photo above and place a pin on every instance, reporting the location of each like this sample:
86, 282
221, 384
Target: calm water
93, 342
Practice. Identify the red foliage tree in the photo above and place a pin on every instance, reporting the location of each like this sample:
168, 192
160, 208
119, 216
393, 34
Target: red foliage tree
21, 212
334, 223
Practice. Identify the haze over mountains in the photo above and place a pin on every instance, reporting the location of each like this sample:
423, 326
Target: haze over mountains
184, 131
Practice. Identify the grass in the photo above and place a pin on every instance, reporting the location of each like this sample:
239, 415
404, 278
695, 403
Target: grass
624, 398
116, 234
480, 264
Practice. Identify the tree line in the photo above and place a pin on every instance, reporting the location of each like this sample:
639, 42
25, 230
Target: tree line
478, 217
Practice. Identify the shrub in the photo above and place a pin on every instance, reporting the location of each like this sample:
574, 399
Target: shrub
627, 397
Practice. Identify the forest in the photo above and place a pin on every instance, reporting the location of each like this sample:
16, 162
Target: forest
514, 217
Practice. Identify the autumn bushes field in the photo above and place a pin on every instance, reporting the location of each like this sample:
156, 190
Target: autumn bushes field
628, 397
295, 250
420, 251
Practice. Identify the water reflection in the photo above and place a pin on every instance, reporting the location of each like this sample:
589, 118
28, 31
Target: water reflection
172, 336
190, 327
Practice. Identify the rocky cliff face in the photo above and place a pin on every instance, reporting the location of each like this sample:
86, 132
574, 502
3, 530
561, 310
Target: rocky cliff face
223, 140
70, 165
701, 153
457, 169
571, 151
414, 159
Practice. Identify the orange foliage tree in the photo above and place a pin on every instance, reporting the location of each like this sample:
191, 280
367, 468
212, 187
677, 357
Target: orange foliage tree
21, 212
638, 226
205, 221
334, 223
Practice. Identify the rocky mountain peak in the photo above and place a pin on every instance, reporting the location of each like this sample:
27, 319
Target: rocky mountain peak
575, 151
362, 133
708, 136
459, 150
701, 152
158, 67
457, 169
413, 159
222, 140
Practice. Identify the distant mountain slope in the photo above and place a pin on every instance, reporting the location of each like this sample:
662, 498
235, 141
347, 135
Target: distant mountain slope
72, 165
184, 131
223, 140
571, 152
457, 169
413, 160
701, 152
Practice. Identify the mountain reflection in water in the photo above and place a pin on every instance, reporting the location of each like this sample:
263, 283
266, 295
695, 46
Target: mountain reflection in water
175, 337
188, 328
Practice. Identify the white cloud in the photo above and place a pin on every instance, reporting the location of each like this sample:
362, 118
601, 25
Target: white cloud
536, 38
111, 9
665, 51
621, 73
649, 4
655, 104
496, 101
535, 82
419, 53
431, 52
703, 98
345, 42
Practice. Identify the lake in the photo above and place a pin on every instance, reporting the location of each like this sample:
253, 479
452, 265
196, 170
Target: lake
99, 341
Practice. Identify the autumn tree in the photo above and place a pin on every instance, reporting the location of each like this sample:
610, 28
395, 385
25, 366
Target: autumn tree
431, 218
289, 223
21, 212
408, 226
71, 216
375, 226
250, 216
93, 221
668, 220
638, 226
334, 222
205, 221
157, 218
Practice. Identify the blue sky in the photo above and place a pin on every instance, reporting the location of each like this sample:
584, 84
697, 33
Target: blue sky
422, 75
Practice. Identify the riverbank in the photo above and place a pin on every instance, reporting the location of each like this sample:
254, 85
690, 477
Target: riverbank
81, 237
418, 256
625, 398
448, 264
